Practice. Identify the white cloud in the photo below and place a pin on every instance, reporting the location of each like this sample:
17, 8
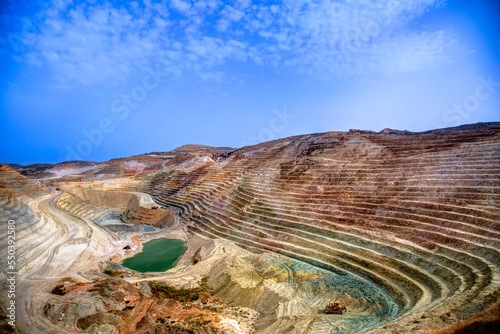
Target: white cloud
355, 37
222, 25
229, 15
233, 14
161, 23
101, 43
181, 6
243, 3
412, 52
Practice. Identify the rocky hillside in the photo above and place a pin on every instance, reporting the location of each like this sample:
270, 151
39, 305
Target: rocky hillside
415, 213
402, 228
18, 183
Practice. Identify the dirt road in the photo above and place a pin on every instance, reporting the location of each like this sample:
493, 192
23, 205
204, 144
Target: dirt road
85, 244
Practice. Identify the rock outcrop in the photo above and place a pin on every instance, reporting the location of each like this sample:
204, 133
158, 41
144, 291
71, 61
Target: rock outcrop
20, 184
415, 213
403, 228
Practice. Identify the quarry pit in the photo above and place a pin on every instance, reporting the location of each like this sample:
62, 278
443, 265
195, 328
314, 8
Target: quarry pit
402, 228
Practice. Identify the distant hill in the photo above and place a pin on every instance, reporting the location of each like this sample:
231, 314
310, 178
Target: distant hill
193, 148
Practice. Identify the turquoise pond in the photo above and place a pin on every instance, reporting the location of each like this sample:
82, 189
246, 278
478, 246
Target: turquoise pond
157, 255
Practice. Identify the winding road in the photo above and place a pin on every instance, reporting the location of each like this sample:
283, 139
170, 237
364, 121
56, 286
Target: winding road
85, 244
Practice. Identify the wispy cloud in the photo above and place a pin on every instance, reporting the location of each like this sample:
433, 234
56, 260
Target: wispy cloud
102, 43
181, 6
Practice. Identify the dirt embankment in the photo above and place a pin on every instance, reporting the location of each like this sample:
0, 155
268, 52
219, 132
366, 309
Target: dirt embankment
135, 209
109, 199
20, 184
152, 215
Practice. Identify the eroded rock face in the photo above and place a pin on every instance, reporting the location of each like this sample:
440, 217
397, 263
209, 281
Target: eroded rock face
415, 213
20, 184
155, 216
100, 205
401, 227
116, 306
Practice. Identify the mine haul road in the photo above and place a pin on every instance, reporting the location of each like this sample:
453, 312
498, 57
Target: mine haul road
80, 249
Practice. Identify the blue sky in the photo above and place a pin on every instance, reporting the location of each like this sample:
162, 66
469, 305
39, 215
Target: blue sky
96, 80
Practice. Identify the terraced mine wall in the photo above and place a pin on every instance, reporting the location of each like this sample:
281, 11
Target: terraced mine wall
10, 179
34, 232
126, 206
154, 216
109, 199
416, 214
83, 208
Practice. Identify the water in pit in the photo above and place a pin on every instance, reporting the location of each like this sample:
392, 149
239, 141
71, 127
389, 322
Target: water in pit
157, 255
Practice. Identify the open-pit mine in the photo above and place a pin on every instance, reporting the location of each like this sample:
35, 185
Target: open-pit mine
338, 232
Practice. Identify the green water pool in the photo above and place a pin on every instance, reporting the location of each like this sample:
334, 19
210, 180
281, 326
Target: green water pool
157, 255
